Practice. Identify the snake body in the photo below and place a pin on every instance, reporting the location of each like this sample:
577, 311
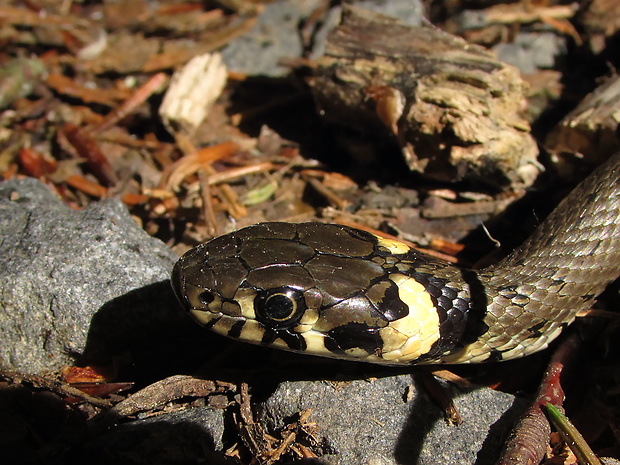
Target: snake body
336, 291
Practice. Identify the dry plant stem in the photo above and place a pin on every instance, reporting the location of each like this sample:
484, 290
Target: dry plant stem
207, 204
235, 209
68, 86
529, 439
235, 173
442, 397
83, 184
526, 13
35, 164
333, 199
51, 384
443, 246
160, 393
20, 16
244, 7
284, 445
439, 208
252, 434
600, 314
144, 92
193, 161
453, 378
199, 161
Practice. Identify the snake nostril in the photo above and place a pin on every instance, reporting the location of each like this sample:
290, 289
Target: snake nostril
206, 297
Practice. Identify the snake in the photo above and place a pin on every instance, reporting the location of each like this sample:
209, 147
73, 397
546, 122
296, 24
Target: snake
336, 291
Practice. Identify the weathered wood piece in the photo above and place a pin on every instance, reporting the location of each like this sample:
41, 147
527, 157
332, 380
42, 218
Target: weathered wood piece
451, 107
590, 130
599, 22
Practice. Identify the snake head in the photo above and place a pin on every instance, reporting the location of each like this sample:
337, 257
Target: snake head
314, 288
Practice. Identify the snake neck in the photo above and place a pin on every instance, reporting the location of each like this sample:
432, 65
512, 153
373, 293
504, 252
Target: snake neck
573, 255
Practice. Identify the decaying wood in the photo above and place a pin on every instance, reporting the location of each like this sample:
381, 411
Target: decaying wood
598, 21
166, 390
590, 129
451, 106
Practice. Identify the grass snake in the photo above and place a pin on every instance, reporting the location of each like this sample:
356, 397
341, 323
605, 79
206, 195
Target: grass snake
335, 291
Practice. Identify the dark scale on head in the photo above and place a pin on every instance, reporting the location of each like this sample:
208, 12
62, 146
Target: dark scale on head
235, 331
211, 323
384, 296
282, 231
392, 308
351, 336
223, 246
293, 341
281, 252
269, 336
340, 277
354, 309
342, 241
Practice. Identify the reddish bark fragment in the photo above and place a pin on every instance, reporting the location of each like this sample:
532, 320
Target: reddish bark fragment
35, 164
86, 186
89, 149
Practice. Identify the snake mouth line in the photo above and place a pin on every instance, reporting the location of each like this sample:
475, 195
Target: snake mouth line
308, 341
207, 318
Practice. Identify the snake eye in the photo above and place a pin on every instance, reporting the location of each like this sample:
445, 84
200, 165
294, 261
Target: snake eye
206, 297
279, 307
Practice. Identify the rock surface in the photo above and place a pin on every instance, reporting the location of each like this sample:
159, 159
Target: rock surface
72, 278
370, 422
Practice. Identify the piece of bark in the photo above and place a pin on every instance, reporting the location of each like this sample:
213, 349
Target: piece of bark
451, 107
590, 130
599, 22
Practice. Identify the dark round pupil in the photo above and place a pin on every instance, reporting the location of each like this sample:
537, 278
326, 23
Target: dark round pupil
206, 297
279, 307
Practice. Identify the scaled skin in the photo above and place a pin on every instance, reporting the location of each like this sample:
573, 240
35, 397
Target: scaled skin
339, 292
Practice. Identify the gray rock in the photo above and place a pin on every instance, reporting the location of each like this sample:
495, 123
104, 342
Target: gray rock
369, 422
91, 284
275, 36
184, 437
531, 52
64, 270
408, 12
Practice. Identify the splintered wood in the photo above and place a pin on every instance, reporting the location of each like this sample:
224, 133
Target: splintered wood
450, 106
590, 130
